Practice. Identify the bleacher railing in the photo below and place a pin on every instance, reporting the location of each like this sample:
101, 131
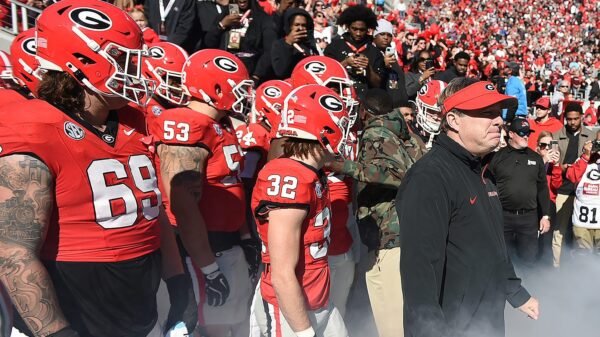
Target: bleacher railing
22, 17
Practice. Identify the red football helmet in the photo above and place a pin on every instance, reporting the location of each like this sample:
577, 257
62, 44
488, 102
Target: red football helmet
163, 65
219, 79
268, 101
325, 71
429, 114
96, 43
316, 112
26, 69
6, 70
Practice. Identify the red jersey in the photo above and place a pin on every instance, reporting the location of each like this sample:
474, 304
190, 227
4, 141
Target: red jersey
8, 96
106, 195
284, 182
223, 203
340, 194
254, 137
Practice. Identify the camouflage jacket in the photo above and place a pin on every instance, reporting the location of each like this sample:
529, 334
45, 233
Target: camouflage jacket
415, 146
380, 167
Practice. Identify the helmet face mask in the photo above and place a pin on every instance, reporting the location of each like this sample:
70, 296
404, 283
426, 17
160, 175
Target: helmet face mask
164, 65
244, 96
429, 114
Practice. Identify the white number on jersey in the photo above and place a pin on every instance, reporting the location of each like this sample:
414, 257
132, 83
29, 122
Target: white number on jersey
322, 219
108, 196
287, 190
233, 165
179, 131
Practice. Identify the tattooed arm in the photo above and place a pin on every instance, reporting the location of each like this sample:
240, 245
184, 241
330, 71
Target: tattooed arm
26, 199
182, 170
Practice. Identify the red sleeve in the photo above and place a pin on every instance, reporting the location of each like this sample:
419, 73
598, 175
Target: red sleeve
150, 36
576, 171
181, 126
556, 179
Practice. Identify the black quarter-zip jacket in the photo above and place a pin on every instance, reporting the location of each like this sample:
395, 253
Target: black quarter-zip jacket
456, 274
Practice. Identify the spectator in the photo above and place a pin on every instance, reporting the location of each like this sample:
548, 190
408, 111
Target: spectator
456, 275
570, 143
551, 157
407, 47
355, 50
150, 36
393, 75
381, 165
419, 74
559, 96
586, 228
595, 89
323, 33
297, 43
578, 89
543, 121
249, 39
515, 88
414, 146
173, 20
457, 69
520, 175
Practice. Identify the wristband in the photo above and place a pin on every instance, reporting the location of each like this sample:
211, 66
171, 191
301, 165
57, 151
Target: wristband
211, 268
306, 333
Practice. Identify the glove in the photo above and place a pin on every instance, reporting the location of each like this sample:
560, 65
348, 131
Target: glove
66, 332
217, 287
183, 302
251, 249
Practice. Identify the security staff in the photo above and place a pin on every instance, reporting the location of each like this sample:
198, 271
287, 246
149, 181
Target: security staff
520, 175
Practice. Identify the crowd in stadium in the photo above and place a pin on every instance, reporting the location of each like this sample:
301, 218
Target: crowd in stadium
266, 161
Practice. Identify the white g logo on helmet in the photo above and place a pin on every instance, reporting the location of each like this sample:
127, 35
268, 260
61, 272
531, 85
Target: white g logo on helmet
331, 103
423, 90
315, 67
29, 46
226, 64
272, 92
490, 87
156, 52
89, 18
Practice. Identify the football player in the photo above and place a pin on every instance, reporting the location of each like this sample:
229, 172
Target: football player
330, 73
163, 65
292, 208
200, 165
79, 199
20, 73
429, 114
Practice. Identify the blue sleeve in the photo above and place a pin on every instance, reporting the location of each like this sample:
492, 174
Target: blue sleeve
515, 88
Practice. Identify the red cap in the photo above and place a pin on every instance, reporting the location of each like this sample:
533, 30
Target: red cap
478, 96
543, 102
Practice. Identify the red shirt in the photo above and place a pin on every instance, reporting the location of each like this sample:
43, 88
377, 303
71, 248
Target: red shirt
284, 182
8, 96
223, 202
106, 197
340, 193
150, 36
551, 125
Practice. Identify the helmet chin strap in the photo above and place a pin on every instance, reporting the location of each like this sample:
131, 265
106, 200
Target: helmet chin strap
430, 142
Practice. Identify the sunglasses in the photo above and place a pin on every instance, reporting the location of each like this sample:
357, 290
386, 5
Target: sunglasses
564, 86
523, 134
319, 5
543, 146
319, 16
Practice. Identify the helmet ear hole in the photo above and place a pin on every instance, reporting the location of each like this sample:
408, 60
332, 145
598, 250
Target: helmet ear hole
84, 59
218, 90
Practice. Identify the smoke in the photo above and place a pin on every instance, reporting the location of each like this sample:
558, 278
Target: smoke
569, 300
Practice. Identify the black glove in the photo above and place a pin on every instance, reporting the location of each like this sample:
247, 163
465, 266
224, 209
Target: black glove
66, 332
217, 288
251, 249
183, 302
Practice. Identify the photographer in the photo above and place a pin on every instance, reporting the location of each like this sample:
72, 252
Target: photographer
393, 77
584, 173
355, 50
421, 72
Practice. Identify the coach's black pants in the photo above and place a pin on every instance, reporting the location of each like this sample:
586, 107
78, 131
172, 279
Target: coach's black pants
521, 236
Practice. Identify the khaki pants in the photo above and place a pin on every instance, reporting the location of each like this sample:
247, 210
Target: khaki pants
385, 293
564, 211
587, 239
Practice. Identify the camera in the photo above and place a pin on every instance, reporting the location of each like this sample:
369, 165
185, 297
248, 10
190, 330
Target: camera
595, 146
428, 64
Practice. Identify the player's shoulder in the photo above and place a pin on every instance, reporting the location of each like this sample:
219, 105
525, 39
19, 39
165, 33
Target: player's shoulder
33, 111
183, 126
286, 167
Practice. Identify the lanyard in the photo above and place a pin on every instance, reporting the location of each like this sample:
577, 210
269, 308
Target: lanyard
354, 49
165, 11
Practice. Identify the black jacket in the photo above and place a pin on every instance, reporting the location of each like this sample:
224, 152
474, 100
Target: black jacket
284, 57
521, 179
180, 21
395, 84
447, 75
456, 274
258, 39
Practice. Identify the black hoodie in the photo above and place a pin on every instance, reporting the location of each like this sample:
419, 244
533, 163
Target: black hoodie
284, 57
